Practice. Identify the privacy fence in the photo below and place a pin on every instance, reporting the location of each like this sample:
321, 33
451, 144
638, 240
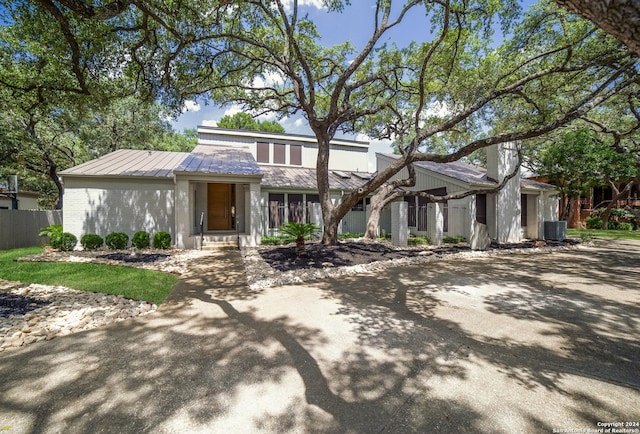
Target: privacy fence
19, 228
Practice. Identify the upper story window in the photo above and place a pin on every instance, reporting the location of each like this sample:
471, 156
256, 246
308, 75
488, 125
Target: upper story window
262, 152
276, 153
295, 155
279, 153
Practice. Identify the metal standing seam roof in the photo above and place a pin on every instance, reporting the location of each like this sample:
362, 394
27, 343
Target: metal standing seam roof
128, 162
471, 174
227, 161
301, 177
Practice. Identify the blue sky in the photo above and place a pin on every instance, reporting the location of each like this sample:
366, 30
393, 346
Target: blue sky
354, 24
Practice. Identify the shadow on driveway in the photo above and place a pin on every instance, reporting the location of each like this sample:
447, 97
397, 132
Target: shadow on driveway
524, 343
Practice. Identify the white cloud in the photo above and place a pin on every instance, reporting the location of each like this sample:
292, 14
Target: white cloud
232, 110
190, 106
315, 3
209, 123
270, 79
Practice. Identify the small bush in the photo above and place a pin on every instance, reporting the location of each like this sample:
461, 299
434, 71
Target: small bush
54, 232
620, 226
116, 240
276, 240
348, 235
91, 241
140, 240
161, 240
593, 223
68, 242
453, 239
418, 240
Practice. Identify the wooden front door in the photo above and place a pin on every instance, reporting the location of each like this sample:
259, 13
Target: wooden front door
219, 209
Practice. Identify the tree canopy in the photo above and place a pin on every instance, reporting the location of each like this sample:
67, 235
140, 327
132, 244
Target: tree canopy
245, 121
452, 92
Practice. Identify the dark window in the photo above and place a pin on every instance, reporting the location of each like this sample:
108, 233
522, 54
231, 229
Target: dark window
422, 209
295, 155
421, 215
358, 206
411, 210
279, 153
263, 152
296, 208
276, 210
481, 208
523, 210
311, 199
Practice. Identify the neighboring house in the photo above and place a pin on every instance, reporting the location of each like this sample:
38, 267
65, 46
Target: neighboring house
235, 185
27, 200
517, 211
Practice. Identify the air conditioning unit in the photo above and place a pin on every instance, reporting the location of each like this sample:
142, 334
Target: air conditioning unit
555, 230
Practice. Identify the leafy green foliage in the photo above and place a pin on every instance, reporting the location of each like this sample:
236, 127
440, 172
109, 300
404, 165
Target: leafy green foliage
418, 240
299, 231
68, 242
50, 231
276, 240
116, 240
161, 240
140, 240
55, 234
447, 239
593, 222
91, 241
244, 121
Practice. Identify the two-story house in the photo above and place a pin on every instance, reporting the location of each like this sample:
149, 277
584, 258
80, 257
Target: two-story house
235, 185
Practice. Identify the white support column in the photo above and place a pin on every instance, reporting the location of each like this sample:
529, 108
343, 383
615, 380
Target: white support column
254, 214
502, 160
435, 222
399, 224
182, 213
316, 215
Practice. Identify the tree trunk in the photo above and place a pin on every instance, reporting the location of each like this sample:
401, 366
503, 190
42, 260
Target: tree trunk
617, 195
377, 203
619, 18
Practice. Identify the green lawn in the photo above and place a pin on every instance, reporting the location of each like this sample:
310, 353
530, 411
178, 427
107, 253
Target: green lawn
599, 233
135, 283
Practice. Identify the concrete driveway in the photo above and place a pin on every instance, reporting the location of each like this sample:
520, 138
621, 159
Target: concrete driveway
521, 343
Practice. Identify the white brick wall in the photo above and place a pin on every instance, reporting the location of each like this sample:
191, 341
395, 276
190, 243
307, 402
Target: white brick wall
103, 205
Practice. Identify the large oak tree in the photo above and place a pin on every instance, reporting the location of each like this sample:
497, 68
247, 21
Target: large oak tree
455, 88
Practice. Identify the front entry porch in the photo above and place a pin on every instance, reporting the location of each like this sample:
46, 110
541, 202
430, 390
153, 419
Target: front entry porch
221, 212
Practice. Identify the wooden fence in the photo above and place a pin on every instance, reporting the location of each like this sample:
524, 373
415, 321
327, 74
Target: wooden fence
19, 228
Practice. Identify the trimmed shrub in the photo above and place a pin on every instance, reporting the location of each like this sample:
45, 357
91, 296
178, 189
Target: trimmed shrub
91, 241
161, 240
116, 240
140, 240
418, 240
68, 242
453, 239
276, 240
593, 223
620, 226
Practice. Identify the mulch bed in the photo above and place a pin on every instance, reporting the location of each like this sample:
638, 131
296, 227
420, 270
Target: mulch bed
284, 258
128, 257
12, 304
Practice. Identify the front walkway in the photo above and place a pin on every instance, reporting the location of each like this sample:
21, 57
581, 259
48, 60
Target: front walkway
510, 344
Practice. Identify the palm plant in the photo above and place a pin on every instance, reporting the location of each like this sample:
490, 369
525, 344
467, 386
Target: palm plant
299, 231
